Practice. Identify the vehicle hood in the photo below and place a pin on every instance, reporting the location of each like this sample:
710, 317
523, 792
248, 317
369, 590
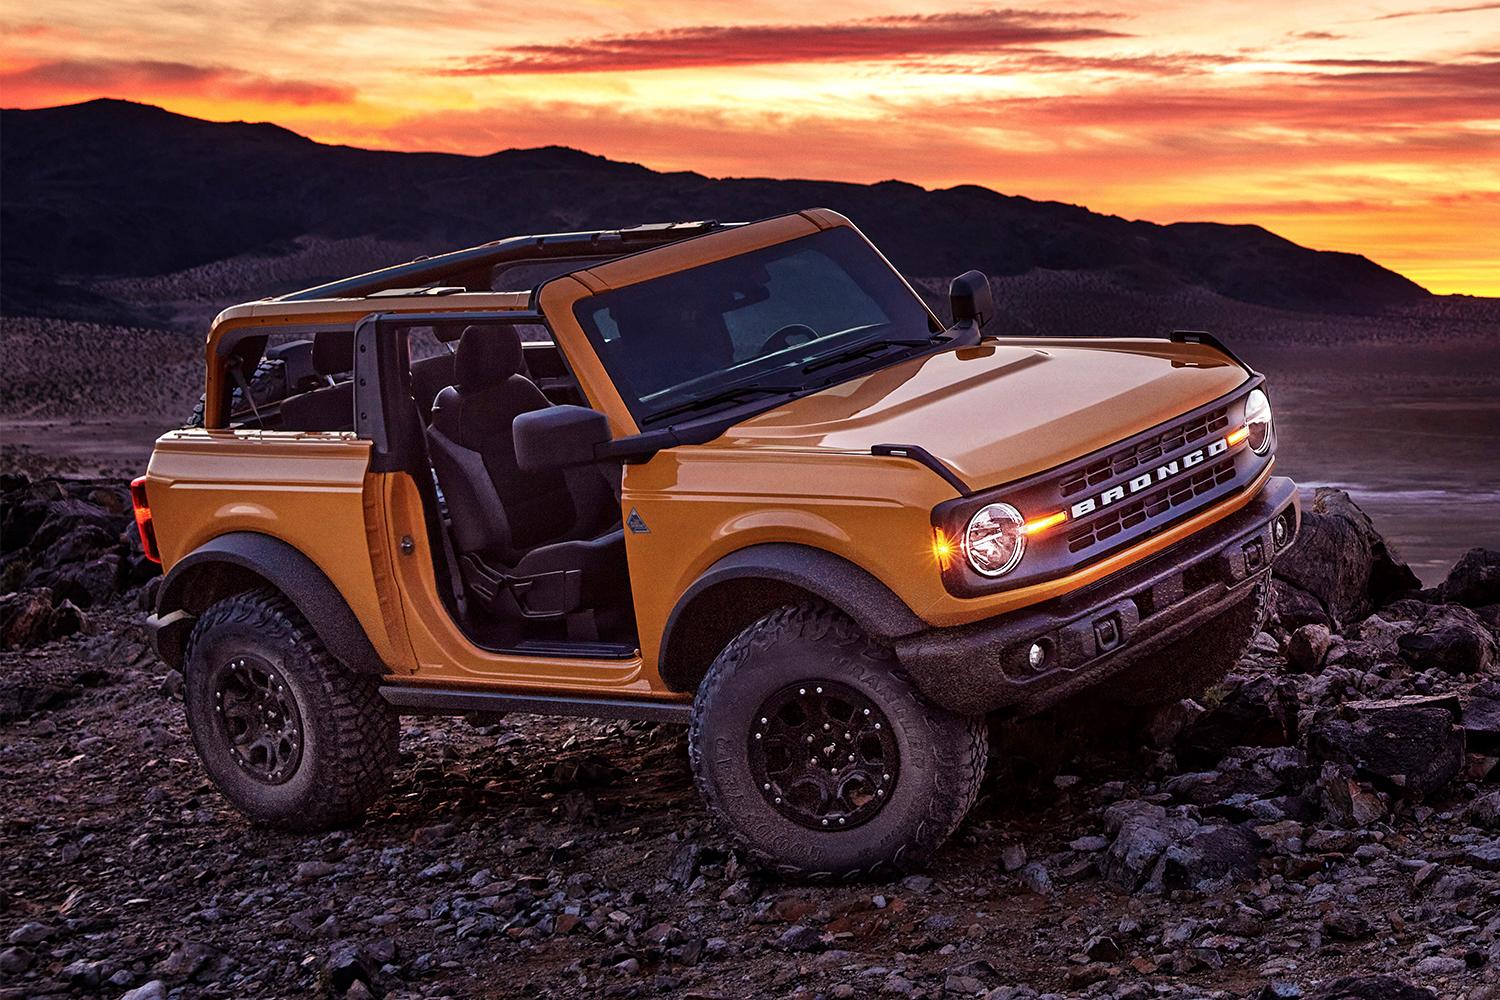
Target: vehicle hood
1005, 409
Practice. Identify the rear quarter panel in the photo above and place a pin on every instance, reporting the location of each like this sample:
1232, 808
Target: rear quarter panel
307, 489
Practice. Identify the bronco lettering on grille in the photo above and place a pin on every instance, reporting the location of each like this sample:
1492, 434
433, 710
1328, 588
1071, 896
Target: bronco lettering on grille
1147, 479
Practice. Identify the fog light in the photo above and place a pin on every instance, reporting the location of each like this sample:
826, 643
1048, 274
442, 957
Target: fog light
1279, 531
1037, 656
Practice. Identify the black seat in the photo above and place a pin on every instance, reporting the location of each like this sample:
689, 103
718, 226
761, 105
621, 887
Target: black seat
429, 377
330, 408
535, 544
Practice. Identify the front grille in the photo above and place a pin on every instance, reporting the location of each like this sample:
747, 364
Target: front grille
1115, 497
1147, 450
1174, 494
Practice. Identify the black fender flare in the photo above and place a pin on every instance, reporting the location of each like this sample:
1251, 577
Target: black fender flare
872, 605
248, 554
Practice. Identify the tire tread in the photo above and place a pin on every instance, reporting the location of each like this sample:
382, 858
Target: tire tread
962, 761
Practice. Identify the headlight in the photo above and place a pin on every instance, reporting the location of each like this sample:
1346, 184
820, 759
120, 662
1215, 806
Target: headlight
1258, 421
995, 539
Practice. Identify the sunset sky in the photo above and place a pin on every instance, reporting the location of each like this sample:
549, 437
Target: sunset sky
1371, 127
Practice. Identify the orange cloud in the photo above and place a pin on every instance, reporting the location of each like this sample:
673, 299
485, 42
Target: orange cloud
875, 38
1439, 10
56, 78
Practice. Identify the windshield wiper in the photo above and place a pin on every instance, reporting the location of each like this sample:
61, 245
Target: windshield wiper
724, 396
861, 351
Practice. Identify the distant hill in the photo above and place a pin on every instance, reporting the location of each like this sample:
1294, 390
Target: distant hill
115, 189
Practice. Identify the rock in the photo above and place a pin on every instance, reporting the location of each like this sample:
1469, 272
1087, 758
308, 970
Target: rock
1341, 559
1296, 607
1307, 648
1258, 712
1346, 924
1123, 812
684, 866
1409, 749
1450, 638
31, 933
436, 833
1085, 844
309, 870
196, 960
14, 961
800, 938
1034, 877
25, 617
82, 974
1088, 974
1372, 988
1484, 857
1474, 580
1012, 856
154, 990
1347, 802
348, 964
1133, 855
66, 619
1481, 718
171, 685
1438, 965
1171, 720
1484, 811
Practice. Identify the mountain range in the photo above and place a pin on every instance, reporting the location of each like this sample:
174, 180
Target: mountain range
113, 189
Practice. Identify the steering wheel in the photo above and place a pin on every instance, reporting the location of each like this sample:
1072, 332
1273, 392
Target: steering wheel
782, 339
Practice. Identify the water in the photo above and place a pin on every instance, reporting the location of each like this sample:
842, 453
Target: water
1412, 432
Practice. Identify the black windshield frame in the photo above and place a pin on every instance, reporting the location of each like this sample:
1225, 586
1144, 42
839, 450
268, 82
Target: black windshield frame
764, 318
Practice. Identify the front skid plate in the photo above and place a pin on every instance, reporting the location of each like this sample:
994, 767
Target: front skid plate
1094, 633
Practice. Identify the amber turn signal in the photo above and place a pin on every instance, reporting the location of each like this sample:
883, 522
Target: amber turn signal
942, 548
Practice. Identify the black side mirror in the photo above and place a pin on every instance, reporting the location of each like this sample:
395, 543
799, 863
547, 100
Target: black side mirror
971, 299
558, 436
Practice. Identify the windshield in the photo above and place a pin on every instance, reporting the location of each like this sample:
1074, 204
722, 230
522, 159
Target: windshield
775, 320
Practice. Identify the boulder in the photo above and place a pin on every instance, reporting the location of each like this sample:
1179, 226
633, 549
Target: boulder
1481, 718
1296, 607
1474, 580
1408, 749
1347, 802
1307, 648
1342, 561
1259, 713
25, 617
1450, 638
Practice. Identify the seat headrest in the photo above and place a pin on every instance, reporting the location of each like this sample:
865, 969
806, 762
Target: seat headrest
333, 352
488, 354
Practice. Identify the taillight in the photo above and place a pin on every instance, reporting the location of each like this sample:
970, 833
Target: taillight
143, 518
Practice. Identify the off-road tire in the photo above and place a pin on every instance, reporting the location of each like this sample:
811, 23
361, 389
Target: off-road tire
267, 385
340, 734
940, 761
1191, 665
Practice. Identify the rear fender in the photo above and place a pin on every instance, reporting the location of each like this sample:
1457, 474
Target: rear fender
243, 560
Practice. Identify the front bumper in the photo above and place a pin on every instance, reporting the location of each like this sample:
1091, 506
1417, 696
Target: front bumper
1097, 631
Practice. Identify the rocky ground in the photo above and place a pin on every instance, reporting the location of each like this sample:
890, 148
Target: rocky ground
1324, 823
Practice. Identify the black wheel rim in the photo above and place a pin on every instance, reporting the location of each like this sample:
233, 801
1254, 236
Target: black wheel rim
823, 755
258, 719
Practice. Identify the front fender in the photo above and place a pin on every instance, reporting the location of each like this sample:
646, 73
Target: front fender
243, 560
744, 585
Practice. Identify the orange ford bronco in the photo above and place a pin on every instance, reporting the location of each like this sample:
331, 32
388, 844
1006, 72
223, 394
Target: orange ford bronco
736, 476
